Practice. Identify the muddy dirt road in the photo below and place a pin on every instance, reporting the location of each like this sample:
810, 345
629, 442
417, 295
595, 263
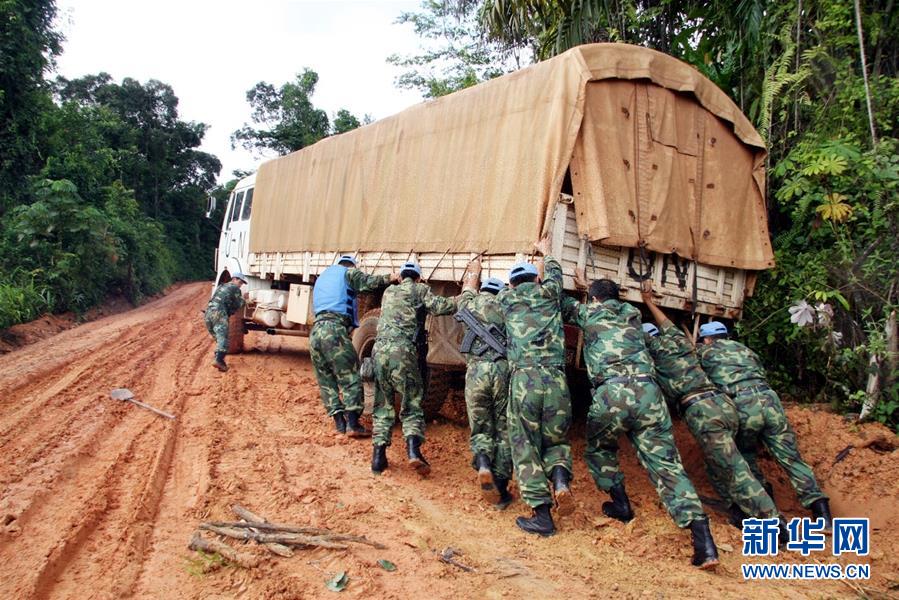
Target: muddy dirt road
98, 498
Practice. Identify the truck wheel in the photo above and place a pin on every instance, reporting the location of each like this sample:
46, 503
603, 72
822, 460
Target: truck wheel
363, 342
235, 333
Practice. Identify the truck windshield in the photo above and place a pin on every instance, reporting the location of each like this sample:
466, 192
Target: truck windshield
247, 205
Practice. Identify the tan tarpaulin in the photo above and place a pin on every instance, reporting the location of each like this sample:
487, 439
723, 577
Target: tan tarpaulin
477, 170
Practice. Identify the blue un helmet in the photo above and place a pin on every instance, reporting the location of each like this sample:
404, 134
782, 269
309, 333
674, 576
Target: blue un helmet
712, 328
492, 285
410, 267
651, 329
240, 276
347, 258
520, 270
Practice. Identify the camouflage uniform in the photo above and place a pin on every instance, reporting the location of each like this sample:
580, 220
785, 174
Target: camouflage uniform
539, 409
712, 419
333, 356
225, 301
615, 354
487, 389
396, 357
738, 371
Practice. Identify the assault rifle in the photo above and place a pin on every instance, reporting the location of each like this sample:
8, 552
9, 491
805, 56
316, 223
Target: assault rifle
490, 334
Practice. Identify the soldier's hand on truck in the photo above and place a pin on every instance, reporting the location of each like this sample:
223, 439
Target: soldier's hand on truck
580, 278
474, 269
646, 291
542, 245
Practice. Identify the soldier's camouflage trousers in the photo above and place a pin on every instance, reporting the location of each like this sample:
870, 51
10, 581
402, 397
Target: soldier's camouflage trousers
637, 409
336, 367
762, 419
539, 415
714, 423
396, 371
217, 326
486, 398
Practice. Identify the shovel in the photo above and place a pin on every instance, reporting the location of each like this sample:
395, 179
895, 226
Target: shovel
126, 395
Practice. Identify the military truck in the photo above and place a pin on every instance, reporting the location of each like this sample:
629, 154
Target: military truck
635, 164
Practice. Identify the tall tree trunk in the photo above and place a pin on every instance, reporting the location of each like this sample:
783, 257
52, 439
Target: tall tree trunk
861, 48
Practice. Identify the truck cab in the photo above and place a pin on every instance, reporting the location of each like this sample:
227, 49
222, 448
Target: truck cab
232, 253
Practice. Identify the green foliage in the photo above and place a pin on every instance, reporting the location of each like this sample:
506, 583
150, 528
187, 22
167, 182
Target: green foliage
28, 45
456, 55
344, 121
21, 299
77, 254
289, 119
841, 248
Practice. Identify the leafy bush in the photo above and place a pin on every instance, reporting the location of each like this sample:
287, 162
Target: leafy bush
78, 254
840, 253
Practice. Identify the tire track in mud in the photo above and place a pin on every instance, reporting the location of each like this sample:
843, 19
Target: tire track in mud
122, 446
134, 487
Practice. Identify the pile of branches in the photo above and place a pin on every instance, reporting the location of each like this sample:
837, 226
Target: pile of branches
278, 539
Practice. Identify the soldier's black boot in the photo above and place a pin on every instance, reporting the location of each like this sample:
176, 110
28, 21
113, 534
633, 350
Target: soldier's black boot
220, 362
705, 554
339, 423
784, 535
485, 476
736, 516
505, 498
821, 510
416, 459
353, 428
620, 506
379, 459
540, 523
561, 479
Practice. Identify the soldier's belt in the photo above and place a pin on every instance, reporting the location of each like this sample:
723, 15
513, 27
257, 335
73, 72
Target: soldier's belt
691, 399
624, 379
752, 390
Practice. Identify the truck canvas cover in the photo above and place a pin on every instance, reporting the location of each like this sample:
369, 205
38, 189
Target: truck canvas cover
658, 155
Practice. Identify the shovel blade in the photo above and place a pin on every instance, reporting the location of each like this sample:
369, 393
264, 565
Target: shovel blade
121, 394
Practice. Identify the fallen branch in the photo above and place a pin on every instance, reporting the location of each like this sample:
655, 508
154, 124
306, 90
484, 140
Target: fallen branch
310, 531
289, 539
199, 543
246, 515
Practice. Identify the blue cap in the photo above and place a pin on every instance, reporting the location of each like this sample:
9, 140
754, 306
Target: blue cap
651, 329
240, 276
411, 266
492, 284
712, 328
346, 258
522, 268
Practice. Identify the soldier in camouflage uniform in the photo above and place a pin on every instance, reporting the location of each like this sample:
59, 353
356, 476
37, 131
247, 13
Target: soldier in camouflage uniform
710, 415
403, 308
738, 371
486, 393
539, 411
226, 300
334, 359
626, 399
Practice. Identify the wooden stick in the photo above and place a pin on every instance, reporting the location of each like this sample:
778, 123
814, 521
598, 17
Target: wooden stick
265, 526
199, 543
291, 539
150, 408
322, 534
246, 515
